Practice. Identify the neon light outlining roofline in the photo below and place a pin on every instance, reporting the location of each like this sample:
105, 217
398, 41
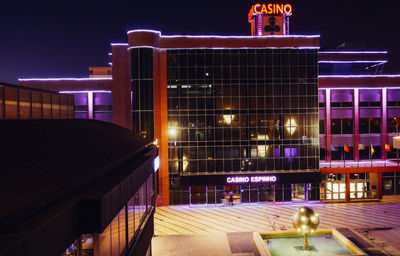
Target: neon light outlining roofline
355, 52
241, 37
119, 44
86, 91
144, 30
353, 61
220, 36
358, 76
65, 79
222, 48
361, 88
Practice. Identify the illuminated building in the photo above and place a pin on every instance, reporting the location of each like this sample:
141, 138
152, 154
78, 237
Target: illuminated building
246, 107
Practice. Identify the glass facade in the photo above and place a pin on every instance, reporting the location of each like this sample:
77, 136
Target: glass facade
142, 90
240, 111
121, 232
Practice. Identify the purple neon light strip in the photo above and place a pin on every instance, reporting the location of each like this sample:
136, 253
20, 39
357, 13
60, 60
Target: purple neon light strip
119, 44
65, 79
355, 52
85, 91
353, 61
221, 48
143, 30
361, 88
357, 76
219, 36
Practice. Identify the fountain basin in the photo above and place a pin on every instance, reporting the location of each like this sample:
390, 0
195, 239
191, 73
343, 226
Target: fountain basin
327, 242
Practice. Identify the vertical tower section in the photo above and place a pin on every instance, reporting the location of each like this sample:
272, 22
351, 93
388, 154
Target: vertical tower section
270, 19
143, 92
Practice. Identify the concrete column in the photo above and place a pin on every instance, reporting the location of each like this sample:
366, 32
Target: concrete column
121, 86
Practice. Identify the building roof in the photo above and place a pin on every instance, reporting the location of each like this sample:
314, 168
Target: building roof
151, 38
45, 160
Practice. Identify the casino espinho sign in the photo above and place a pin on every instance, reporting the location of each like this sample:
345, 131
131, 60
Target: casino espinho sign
271, 9
251, 179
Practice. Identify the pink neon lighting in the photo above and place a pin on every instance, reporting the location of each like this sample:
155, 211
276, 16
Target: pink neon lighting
357, 76
352, 163
65, 79
361, 88
242, 37
219, 36
353, 61
86, 91
222, 48
355, 52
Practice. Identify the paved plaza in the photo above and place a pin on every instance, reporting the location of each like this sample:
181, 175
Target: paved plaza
377, 223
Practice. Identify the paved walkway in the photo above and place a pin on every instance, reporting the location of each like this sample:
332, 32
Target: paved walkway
376, 222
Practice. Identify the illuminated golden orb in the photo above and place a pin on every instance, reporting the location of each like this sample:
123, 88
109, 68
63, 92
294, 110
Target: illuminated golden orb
305, 221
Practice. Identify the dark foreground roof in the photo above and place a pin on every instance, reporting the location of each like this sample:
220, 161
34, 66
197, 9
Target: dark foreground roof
42, 161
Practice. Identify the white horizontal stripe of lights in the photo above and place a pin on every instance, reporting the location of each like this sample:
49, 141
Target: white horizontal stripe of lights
352, 61
119, 44
223, 48
65, 79
354, 52
86, 91
144, 30
359, 76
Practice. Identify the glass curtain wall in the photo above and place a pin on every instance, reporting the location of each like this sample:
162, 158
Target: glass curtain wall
142, 90
240, 111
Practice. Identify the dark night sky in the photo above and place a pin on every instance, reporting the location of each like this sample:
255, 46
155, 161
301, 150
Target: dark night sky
63, 38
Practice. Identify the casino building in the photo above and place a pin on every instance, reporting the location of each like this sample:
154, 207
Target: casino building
270, 116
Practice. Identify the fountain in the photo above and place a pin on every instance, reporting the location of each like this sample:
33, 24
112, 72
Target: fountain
305, 239
306, 222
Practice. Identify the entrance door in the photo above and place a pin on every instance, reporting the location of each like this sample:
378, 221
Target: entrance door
266, 193
298, 192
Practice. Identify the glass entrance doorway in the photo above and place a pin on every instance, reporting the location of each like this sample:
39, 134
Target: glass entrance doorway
299, 192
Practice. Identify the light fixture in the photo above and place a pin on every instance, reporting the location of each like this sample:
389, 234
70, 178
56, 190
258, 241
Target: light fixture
228, 119
185, 163
291, 126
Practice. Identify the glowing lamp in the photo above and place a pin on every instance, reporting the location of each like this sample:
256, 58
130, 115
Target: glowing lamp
291, 126
185, 163
228, 119
172, 132
305, 221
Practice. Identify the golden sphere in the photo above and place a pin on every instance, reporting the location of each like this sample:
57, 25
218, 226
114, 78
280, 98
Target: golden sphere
305, 220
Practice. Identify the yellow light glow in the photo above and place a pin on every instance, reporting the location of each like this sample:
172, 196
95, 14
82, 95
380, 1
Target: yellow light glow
228, 119
172, 132
262, 137
303, 219
291, 126
185, 163
262, 149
